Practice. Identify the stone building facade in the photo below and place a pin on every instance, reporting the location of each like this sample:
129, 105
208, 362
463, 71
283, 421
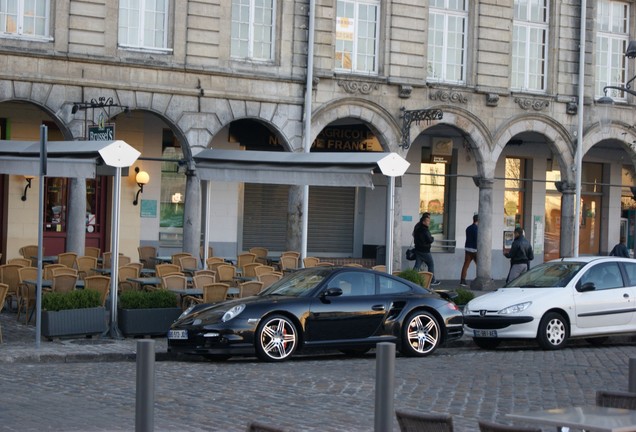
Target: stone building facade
232, 74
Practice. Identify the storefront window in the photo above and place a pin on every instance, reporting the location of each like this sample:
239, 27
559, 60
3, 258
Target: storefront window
514, 193
173, 185
56, 199
433, 197
552, 241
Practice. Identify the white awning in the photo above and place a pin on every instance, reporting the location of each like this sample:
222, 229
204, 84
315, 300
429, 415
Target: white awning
313, 169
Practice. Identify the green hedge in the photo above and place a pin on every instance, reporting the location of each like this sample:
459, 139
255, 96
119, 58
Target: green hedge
147, 299
463, 296
78, 299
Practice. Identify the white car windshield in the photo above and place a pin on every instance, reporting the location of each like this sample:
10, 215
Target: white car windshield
550, 274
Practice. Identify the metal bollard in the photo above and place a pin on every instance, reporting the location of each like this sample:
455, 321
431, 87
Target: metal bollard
145, 395
384, 386
631, 386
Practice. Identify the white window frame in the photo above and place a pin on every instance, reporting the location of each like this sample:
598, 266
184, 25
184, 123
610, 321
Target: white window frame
356, 37
612, 61
251, 23
141, 42
19, 17
539, 8
447, 10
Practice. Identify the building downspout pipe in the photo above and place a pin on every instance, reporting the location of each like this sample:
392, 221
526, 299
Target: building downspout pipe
579, 130
307, 124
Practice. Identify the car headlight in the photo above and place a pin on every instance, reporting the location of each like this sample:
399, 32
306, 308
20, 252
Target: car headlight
186, 312
232, 313
515, 308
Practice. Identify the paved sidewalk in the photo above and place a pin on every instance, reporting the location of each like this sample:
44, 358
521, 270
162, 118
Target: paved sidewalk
20, 345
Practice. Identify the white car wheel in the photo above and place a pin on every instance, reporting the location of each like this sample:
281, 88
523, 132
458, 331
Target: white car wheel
553, 331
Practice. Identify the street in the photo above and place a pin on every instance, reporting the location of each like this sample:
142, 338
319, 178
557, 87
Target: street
309, 393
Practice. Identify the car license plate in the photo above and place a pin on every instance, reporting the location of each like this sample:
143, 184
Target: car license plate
485, 333
177, 334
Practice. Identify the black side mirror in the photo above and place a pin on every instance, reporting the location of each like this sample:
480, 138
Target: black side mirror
332, 292
587, 286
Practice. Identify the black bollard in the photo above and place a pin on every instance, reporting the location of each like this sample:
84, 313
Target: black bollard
145, 396
384, 386
631, 386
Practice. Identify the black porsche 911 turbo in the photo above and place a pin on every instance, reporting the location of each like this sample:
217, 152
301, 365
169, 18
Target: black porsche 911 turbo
343, 308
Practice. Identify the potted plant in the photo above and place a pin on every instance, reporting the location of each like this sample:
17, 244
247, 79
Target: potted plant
412, 275
463, 297
147, 313
73, 313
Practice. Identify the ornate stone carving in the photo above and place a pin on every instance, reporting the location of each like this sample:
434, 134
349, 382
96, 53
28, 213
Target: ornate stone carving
535, 104
492, 99
572, 108
353, 87
405, 91
448, 96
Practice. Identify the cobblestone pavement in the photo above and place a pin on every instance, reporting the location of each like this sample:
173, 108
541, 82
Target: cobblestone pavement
90, 384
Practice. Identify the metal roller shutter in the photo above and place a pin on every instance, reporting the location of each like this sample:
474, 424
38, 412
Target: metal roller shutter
331, 218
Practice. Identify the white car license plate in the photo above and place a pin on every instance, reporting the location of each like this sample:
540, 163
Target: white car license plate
485, 333
177, 334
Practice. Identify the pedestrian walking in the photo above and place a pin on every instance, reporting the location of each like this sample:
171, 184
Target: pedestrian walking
423, 239
520, 255
620, 250
470, 248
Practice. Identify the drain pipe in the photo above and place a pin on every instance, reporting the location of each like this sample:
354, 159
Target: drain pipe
307, 124
579, 130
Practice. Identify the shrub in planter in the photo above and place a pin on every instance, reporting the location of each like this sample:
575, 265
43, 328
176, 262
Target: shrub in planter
463, 296
148, 313
74, 313
412, 276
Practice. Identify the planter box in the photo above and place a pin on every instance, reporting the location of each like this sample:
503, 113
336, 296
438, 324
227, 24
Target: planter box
147, 322
73, 322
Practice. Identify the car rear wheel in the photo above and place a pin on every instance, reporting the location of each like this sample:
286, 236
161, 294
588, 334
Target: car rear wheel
421, 335
553, 331
276, 338
486, 343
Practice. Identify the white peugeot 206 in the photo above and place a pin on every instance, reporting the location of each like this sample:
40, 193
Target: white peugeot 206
589, 297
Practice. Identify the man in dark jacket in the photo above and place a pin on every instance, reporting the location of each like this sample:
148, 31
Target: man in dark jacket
520, 255
620, 250
423, 239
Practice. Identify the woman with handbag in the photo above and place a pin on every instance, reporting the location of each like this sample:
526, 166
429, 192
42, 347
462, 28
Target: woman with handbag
423, 240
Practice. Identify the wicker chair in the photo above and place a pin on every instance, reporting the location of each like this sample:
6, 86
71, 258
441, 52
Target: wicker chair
486, 426
261, 254
250, 288
263, 269
427, 277
98, 283
64, 270
189, 263
85, 265
21, 261
201, 280
91, 251
213, 260
249, 270
616, 399
127, 272
48, 270
165, 269
27, 292
176, 257
146, 255
4, 288
310, 261
174, 281
226, 273
288, 262
64, 282
30, 252
269, 278
245, 258
418, 422
9, 275
67, 259
213, 293
379, 267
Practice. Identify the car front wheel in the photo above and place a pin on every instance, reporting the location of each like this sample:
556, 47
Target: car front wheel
553, 331
276, 338
421, 335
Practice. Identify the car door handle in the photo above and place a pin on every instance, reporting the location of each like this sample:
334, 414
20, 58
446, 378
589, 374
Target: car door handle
626, 295
378, 307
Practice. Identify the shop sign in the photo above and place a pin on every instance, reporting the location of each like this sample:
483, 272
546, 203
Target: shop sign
104, 133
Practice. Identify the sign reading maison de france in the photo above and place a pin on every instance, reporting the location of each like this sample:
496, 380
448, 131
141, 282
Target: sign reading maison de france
102, 131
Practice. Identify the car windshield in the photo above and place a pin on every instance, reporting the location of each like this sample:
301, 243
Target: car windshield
550, 274
298, 284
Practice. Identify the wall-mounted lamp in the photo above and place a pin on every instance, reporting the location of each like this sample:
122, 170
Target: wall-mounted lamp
28, 185
142, 178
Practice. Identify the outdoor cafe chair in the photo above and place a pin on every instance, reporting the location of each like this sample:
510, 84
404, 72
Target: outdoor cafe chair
205, 272
213, 260
419, 422
21, 261
487, 426
9, 275
427, 277
250, 288
27, 292
261, 254
249, 270
215, 265
379, 267
201, 280
67, 259
176, 257
189, 263
616, 399
324, 264
174, 281
85, 265
212, 293
310, 261
98, 283
146, 255
123, 260
92, 251
226, 273
123, 274
64, 270
47, 271
4, 289
162, 270
139, 266
258, 271
64, 282
288, 263
30, 252
201, 254
245, 258
269, 278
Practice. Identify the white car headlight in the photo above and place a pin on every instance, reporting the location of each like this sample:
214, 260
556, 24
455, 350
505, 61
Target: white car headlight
515, 308
232, 313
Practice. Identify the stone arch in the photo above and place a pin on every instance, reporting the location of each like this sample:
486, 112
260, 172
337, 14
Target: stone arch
473, 128
617, 132
558, 137
374, 116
